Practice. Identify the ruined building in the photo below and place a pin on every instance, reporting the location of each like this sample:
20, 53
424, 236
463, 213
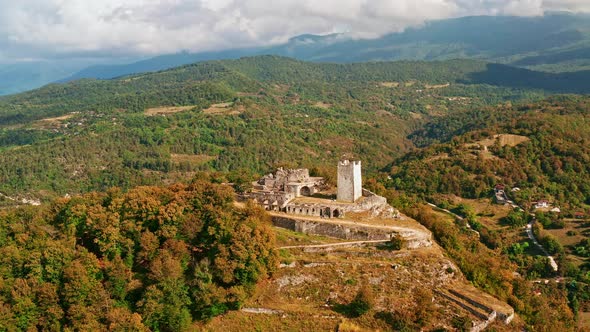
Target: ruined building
291, 191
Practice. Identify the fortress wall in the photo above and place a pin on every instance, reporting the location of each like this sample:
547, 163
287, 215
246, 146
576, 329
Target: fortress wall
331, 229
412, 238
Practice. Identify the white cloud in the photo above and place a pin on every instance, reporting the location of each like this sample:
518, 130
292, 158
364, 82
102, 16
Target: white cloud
125, 27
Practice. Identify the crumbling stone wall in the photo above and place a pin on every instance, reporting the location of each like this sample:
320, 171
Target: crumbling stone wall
358, 233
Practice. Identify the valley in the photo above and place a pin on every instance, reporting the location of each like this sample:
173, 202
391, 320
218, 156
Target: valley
136, 177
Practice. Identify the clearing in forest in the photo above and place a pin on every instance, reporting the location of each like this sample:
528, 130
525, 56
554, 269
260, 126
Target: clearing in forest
167, 110
223, 108
323, 105
437, 86
389, 84
503, 140
50, 123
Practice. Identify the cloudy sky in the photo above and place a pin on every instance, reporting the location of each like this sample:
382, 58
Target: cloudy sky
38, 29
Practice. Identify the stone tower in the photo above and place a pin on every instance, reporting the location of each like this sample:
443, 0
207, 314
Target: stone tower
349, 180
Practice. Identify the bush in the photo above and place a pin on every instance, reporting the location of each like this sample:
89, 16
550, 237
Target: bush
360, 305
516, 218
397, 242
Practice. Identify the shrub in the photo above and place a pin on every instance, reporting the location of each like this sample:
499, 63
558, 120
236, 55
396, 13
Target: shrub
397, 242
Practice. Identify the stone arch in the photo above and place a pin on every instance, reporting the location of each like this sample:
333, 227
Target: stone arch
305, 191
327, 213
336, 213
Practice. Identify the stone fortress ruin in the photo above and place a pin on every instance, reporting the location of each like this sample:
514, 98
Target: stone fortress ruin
294, 191
301, 203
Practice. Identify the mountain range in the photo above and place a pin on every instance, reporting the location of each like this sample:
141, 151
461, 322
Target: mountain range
555, 42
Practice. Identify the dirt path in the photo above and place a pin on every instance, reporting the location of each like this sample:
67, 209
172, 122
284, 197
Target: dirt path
529, 231
22, 201
418, 235
458, 217
531, 235
337, 244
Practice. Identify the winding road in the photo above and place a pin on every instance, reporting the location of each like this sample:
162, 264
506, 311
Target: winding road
529, 231
531, 235
458, 217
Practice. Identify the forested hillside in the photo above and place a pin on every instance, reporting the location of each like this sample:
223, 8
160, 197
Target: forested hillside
150, 259
535, 152
247, 116
545, 153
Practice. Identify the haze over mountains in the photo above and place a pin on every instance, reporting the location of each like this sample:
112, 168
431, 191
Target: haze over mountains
556, 42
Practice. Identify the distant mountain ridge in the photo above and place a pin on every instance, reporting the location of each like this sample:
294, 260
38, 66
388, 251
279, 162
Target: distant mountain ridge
556, 42
548, 41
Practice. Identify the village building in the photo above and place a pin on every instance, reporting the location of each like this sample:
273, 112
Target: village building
500, 195
542, 204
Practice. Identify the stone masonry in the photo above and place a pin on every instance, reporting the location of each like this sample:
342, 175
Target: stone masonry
290, 191
349, 181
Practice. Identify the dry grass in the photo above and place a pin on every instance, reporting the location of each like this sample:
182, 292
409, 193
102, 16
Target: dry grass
584, 319
166, 110
58, 118
482, 297
389, 84
223, 109
307, 294
52, 123
502, 139
348, 326
565, 239
293, 321
437, 157
417, 116
323, 105
439, 86
489, 214
341, 142
569, 240
286, 238
384, 113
